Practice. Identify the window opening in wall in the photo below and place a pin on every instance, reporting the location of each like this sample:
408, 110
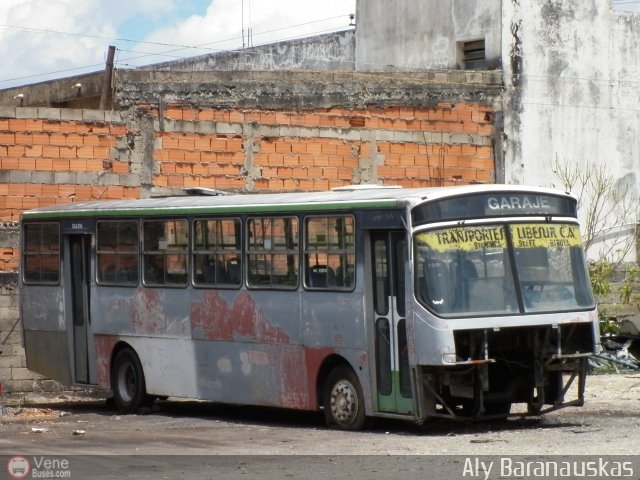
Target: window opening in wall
474, 55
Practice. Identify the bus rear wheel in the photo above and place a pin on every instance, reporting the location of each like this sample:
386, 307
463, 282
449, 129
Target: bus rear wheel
127, 382
343, 400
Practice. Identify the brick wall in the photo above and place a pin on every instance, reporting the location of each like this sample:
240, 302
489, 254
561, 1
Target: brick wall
51, 156
320, 149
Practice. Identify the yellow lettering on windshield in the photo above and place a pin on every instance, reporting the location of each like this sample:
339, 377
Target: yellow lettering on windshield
538, 235
465, 239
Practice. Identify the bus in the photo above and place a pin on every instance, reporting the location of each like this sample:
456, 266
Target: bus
467, 302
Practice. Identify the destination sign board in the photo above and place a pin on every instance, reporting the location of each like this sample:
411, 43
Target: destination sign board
539, 235
494, 204
466, 239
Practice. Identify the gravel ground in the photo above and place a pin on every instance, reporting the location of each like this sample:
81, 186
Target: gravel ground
607, 424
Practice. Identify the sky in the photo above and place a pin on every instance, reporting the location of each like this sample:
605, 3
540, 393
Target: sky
45, 39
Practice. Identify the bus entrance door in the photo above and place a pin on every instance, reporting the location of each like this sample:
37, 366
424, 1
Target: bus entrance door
389, 249
79, 246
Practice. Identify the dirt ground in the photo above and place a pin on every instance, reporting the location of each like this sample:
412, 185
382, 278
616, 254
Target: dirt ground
608, 424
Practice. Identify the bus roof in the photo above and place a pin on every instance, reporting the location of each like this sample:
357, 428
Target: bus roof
343, 198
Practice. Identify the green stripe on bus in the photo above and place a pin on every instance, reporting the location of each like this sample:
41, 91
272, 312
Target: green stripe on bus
163, 211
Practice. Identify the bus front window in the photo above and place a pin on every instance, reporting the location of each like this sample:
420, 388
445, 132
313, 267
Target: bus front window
467, 271
551, 267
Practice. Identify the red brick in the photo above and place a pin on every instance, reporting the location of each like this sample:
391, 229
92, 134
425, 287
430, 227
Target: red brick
68, 152
57, 139
73, 139
7, 138
189, 115
15, 150
27, 163
186, 143
60, 164
17, 125
40, 139
33, 150
24, 138
101, 152
9, 163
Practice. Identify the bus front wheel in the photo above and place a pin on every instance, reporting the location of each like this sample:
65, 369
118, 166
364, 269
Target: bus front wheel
343, 400
127, 382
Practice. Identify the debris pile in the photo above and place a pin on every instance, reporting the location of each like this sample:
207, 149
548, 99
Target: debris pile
618, 354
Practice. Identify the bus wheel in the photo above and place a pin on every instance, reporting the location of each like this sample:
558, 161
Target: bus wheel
343, 400
127, 382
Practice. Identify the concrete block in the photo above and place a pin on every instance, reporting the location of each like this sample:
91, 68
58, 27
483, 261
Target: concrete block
385, 135
270, 131
205, 127
112, 116
20, 373
86, 178
229, 128
13, 361
66, 177
352, 135
130, 180
461, 138
93, 115
403, 137
7, 112
286, 131
42, 177
20, 176
184, 127
26, 112
122, 143
71, 114
47, 113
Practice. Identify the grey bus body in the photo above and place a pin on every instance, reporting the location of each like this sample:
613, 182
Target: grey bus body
404, 303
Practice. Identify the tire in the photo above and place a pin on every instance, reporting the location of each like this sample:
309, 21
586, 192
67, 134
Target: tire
343, 400
127, 382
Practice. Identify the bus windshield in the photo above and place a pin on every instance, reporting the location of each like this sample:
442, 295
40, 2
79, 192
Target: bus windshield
504, 269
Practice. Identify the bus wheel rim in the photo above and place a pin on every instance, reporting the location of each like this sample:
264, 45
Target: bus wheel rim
127, 382
344, 402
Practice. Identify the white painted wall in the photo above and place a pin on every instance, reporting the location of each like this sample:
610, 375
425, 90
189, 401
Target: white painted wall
423, 34
578, 99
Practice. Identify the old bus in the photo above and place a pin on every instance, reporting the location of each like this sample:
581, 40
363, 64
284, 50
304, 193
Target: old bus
407, 303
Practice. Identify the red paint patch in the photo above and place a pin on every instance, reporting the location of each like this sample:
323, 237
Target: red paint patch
104, 346
148, 315
243, 321
313, 358
293, 378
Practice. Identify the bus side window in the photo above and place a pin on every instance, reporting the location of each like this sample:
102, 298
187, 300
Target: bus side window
165, 246
216, 252
41, 253
117, 253
329, 252
272, 252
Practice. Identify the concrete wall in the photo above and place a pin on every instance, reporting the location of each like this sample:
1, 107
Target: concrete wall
571, 72
333, 52
424, 34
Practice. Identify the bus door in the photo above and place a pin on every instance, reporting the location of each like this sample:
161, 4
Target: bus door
389, 251
79, 248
